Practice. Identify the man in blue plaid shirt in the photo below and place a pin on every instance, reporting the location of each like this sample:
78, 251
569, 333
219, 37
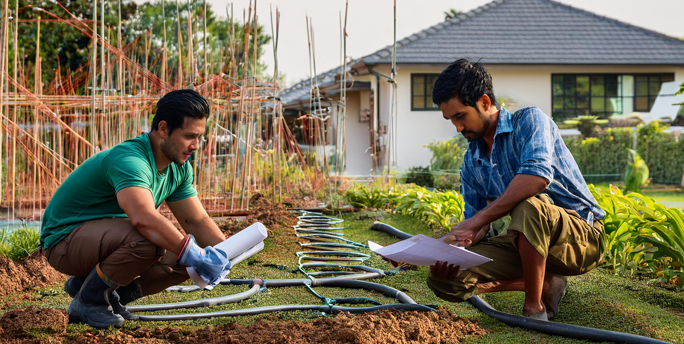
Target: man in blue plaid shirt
516, 165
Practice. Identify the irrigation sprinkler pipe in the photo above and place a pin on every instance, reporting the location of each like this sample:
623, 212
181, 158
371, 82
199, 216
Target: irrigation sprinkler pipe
208, 302
260, 310
554, 328
405, 301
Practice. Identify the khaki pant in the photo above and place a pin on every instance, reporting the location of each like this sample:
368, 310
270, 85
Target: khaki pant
570, 245
123, 253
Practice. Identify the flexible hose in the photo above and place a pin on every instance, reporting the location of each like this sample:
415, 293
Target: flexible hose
197, 303
559, 329
267, 309
407, 303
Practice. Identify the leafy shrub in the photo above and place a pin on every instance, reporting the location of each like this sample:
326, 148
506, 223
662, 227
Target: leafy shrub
636, 174
434, 207
607, 153
420, 176
19, 243
361, 196
445, 164
642, 235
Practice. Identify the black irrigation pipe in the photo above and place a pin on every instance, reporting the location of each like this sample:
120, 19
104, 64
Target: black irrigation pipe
260, 310
406, 302
558, 329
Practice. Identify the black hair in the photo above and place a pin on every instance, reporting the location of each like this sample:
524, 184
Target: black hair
176, 105
464, 80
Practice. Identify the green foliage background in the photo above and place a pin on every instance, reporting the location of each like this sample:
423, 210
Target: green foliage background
608, 153
67, 48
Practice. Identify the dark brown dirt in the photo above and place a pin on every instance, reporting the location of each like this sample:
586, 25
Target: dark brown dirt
26, 273
387, 326
27, 322
272, 215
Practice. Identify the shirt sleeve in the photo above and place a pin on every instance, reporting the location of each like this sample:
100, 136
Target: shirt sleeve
534, 134
473, 201
127, 171
185, 189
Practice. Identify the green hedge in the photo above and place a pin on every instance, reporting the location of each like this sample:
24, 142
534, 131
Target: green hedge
607, 153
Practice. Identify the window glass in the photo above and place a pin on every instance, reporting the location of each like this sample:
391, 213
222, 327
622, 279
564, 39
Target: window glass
641, 85
582, 85
627, 85
418, 102
641, 104
653, 85
598, 105
557, 85
583, 102
418, 87
604, 95
557, 102
421, 91
611, 85
597, 85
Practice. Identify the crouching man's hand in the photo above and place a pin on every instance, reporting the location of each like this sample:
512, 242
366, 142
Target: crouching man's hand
211, 263
444, 270
464, 234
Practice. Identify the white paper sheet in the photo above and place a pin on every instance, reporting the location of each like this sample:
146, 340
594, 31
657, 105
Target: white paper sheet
238, 247
421, 250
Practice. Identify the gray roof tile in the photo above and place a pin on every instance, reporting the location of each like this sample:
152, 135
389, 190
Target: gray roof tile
534, 32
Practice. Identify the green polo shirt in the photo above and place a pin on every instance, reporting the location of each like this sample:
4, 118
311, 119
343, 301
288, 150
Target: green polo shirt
89, 192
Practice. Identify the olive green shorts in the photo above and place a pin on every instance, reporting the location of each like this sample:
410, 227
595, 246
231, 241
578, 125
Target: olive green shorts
571, 247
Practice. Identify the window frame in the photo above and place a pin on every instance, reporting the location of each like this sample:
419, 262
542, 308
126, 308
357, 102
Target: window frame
427, 97
620, 91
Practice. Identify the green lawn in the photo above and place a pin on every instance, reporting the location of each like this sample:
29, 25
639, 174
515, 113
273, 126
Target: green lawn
660, 193
598, 299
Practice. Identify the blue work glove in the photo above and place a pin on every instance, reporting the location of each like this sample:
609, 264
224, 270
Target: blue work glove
210, 263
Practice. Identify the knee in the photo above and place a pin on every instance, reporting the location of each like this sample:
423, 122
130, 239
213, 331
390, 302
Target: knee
141, 248
450, 290
528, 207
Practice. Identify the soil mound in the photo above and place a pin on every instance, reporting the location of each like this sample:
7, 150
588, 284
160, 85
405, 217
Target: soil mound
272, 215
30, 272
19, 323
386, 326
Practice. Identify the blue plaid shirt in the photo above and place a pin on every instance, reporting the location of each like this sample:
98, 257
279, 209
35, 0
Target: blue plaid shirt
526, 142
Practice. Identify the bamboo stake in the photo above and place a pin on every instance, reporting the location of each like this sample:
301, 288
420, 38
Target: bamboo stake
3, 58
164, 57
93, 119
180, 49
204, 36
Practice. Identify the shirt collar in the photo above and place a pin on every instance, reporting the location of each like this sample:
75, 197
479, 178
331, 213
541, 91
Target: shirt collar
503, 125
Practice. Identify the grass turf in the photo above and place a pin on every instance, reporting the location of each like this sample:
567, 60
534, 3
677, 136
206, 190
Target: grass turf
598, 299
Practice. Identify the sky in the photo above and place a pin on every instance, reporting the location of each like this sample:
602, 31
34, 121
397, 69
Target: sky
370, 27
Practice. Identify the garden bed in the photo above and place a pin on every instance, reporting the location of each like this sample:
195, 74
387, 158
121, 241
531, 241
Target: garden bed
598, 299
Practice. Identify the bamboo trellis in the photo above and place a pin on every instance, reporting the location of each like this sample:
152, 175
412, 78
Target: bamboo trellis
50, 129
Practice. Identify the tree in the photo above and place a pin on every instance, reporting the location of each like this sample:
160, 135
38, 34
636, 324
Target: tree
451, 13
65, 48
219, 29
61, 45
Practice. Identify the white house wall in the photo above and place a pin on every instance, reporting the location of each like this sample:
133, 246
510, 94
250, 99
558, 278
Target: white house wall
358, 158
526, 85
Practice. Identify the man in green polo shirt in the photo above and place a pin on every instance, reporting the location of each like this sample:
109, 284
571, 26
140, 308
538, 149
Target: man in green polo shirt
102, 225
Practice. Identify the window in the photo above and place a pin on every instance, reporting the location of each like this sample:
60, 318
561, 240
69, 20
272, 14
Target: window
421, 91
604, 95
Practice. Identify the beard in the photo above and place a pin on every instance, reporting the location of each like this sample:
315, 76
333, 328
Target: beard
474, 136
168, 151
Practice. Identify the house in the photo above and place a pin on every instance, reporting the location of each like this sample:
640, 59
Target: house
564, 60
